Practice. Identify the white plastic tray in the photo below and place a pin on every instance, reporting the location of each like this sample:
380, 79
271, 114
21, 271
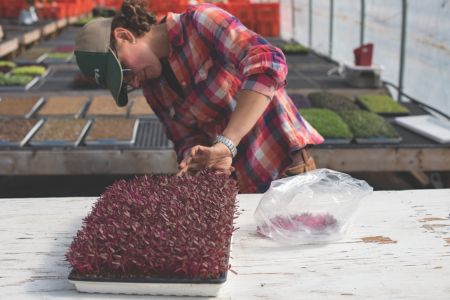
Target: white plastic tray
427, 125
149, 288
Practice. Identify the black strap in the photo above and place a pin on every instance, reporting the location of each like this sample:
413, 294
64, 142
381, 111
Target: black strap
172, 80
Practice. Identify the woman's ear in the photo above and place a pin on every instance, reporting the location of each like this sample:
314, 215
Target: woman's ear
122, 35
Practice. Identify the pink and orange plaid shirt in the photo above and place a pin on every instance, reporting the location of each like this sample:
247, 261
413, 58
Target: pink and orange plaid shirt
213, 56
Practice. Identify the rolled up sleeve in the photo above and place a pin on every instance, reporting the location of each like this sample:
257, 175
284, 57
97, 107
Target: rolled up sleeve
261, 66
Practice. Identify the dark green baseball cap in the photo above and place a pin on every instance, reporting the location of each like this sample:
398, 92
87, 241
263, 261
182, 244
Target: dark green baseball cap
96, 58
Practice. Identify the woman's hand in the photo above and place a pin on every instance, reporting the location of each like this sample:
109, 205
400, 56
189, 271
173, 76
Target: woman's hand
216, 157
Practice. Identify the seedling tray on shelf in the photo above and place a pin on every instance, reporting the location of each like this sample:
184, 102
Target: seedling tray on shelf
16, 132
6, 66
59, 60
329, 124
368, 127
112, 132
19, 107
63, 106
60, 132
140, 108
294, 49
26, 87
41, 76
149, 286
334, 102
105, 106
382, 104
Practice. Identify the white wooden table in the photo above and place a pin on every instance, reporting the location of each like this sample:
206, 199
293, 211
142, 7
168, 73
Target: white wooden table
397, 248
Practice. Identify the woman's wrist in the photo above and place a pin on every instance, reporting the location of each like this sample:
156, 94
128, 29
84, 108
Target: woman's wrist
227, 142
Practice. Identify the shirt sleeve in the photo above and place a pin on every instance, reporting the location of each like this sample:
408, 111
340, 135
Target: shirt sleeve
261, 65
184, 138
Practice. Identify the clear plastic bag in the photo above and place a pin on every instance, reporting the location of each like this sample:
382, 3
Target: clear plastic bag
314, 207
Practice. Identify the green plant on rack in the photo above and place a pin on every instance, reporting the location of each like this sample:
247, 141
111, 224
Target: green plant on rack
294, 48
332, 101
327, 123
6, 66
14, 80
29, 70
365, 124
7, 63
381, 104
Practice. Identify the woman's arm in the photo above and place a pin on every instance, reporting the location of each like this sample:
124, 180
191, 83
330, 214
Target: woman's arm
262, 68
249, 108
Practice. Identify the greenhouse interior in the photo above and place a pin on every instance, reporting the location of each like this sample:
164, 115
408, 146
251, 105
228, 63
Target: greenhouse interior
224, 149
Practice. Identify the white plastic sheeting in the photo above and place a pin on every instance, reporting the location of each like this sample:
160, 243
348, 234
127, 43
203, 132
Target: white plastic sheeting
427, 71
427, 61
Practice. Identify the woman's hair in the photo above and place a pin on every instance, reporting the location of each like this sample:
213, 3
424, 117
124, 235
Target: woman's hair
133, 16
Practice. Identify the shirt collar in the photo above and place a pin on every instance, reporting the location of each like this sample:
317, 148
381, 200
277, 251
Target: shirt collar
174, 28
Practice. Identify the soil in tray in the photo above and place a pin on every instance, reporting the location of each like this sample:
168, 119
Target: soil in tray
60, 130
111, 129
15, 130
105, 106
62, 106
140, 107
17, 106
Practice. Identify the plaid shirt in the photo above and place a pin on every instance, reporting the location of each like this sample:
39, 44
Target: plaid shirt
213, 56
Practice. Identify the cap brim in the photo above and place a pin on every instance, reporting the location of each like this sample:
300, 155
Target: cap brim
107, 71
114, 79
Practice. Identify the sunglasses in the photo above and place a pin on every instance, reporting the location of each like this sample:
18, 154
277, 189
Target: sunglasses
127, 77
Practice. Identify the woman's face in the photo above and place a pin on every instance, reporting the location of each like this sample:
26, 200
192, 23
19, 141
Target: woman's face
136, 54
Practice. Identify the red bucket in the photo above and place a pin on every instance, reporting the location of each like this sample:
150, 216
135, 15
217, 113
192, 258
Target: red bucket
363, 55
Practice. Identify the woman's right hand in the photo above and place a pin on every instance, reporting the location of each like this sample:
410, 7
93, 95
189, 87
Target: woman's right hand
216, 157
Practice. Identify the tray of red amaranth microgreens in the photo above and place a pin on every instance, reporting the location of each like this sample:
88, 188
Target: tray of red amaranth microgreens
157, 235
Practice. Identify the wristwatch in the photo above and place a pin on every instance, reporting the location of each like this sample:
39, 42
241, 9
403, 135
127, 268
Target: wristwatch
227, 142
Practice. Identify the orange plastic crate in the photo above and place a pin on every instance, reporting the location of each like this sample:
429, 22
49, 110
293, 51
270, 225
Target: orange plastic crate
165, 6
243, 11
267, 18
12, 8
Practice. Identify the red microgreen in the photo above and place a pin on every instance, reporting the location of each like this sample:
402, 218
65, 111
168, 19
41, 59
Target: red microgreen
158, 226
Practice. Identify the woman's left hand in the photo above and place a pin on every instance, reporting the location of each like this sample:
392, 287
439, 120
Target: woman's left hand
216, 157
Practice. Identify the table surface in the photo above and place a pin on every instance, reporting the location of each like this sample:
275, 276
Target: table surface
398, 247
